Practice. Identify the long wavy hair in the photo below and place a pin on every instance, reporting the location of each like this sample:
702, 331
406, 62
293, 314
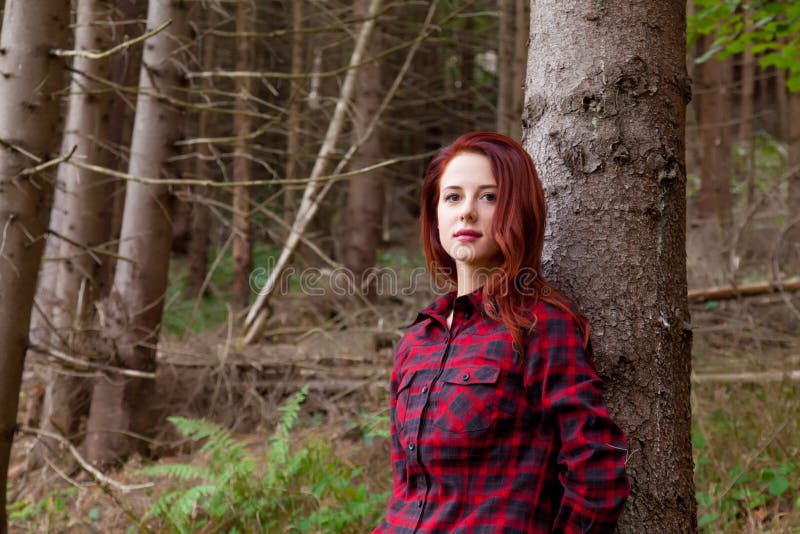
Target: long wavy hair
517, 227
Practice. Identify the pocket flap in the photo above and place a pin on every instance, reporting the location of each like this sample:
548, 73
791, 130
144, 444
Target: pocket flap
471, 374
406, 381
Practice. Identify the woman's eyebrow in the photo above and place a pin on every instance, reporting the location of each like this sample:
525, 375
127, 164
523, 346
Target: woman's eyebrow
480, 187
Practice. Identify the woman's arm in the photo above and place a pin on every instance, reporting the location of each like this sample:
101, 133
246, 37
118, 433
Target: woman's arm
593, 449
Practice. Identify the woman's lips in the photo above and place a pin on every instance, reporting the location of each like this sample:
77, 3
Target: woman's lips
467, 236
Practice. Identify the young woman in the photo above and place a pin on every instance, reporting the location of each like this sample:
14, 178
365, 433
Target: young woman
497, 419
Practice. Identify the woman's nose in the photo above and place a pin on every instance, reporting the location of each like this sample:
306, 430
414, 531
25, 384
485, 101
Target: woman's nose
467, 212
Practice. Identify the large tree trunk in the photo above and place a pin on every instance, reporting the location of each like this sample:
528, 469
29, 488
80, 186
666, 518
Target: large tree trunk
29, 121
242, 243
365, 198
86, 206
136, 302
604, 122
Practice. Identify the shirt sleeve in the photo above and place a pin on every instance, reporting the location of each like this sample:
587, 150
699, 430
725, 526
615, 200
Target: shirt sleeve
593, 449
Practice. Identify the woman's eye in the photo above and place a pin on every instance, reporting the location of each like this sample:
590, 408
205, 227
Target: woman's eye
491, 197
451, 197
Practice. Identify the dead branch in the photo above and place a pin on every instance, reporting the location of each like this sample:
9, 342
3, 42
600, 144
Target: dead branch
47, 164
744, 290
85, 364
311, 199
111, 51
757, 377
224, 185
305, 212
98, 477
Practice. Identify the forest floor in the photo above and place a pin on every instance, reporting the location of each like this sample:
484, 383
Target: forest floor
746, 431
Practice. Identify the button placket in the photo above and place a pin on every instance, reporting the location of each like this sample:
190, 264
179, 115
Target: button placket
414, 457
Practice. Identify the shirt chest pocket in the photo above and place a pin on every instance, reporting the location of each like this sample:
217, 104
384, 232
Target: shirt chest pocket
467, 399
406, 396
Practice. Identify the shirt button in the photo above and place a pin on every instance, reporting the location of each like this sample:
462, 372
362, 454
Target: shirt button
465, 377
424, 389
419, 504
411, 446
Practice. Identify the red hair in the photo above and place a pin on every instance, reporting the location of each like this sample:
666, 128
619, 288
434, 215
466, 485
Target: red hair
517, 227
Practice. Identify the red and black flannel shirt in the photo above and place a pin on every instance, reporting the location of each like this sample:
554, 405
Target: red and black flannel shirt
486, 440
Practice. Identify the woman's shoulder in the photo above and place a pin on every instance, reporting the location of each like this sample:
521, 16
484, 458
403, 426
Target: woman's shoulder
557, 317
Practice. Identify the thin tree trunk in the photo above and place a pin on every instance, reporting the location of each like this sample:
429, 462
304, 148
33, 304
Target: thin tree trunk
746, 110
136, 302
365, 198
29, 121
466, 104
604, 109
715, 196
768, 105
791, 262
781, 104
522, 16
124, 69
505, 71
242, 243
294, 123
86, 214
201, 216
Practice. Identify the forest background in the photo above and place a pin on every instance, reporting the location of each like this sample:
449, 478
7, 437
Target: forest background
201, 353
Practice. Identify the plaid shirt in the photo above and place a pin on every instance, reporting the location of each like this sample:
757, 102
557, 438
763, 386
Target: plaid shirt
484, 440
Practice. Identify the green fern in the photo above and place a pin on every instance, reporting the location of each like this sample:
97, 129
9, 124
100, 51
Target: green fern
179, 472
307, 490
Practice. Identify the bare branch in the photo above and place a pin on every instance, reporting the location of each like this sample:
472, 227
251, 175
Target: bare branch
89, 364
99, 477
111, 51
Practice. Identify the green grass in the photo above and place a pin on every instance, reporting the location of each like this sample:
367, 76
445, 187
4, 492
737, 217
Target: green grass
746, 441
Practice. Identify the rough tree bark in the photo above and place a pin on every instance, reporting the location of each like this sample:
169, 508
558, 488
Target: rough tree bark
365, 197
604, 121
30, 78
242, 247
85, 207
136, 302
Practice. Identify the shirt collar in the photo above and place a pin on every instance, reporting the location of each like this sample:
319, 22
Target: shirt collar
440, 308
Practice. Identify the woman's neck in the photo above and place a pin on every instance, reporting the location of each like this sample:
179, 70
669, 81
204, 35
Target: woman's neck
471, 278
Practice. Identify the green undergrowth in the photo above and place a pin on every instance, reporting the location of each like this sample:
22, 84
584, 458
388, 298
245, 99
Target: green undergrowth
746, 441
277, 489
195, 313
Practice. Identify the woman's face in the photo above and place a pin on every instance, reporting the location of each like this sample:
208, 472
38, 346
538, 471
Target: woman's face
467, 200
